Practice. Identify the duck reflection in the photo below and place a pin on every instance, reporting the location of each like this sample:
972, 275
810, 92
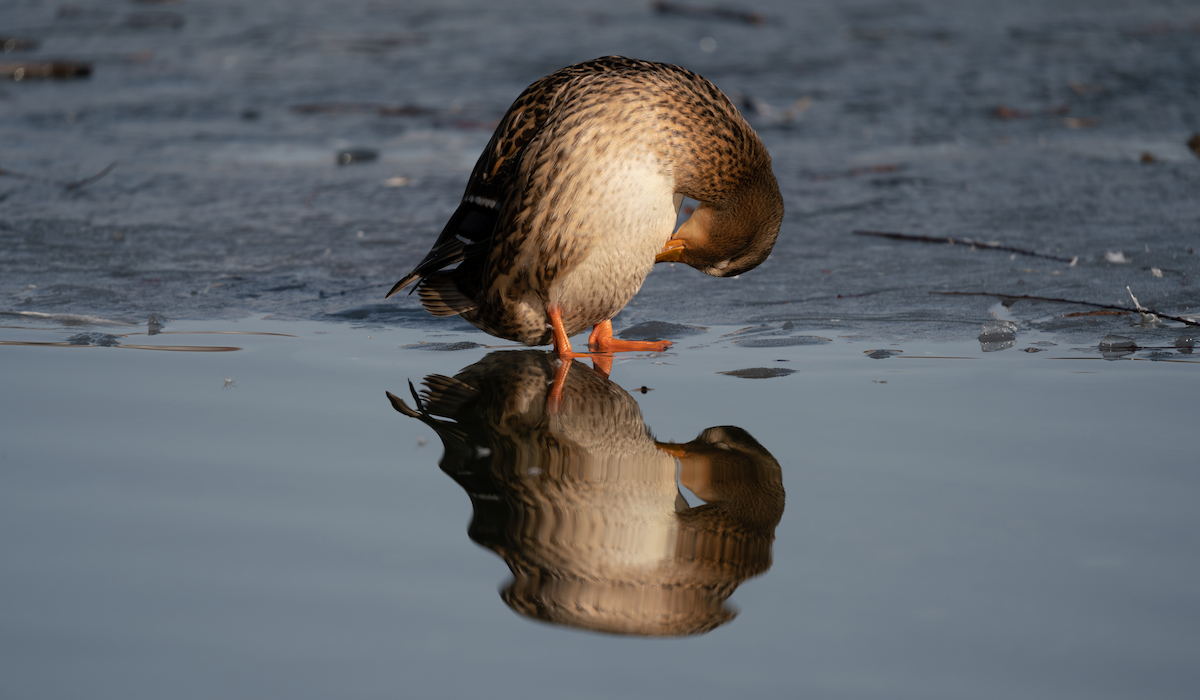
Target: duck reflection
584, 505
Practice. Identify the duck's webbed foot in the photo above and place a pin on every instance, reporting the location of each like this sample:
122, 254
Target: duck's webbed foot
603, 345
602, 340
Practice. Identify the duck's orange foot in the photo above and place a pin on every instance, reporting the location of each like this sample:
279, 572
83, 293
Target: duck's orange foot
602, 340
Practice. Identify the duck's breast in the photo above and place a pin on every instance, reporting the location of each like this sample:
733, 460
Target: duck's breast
617, 222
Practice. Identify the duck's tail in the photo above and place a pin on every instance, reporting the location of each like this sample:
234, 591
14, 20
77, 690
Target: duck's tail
441, 296
409, 279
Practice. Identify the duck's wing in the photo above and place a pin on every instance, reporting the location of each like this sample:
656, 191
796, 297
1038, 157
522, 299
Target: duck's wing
469, 233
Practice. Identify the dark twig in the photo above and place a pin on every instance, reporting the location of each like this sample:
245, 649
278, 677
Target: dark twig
1029, 297
673, 8
22, 176
967, 241
58, 70
89, 180
68, 185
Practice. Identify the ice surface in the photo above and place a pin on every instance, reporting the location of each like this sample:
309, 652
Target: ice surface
226, 201
444, 347
659, 330
782, 342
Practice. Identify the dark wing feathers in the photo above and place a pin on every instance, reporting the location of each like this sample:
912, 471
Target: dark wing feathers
468, 233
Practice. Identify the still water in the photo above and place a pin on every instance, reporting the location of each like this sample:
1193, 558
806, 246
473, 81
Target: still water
270, 512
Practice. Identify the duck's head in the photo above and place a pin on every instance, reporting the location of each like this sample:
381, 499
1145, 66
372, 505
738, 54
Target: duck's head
731, 235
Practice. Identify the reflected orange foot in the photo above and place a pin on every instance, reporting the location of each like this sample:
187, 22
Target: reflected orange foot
562, 348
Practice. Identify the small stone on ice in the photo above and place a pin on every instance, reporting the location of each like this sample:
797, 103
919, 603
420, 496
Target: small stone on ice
881, 354
998, 331
356, 155
1117, 342
760, 372
99, 339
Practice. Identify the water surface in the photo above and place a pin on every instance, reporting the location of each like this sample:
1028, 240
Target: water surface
262, 521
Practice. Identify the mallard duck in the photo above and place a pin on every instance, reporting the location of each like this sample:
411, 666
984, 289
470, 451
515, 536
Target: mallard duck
576, 196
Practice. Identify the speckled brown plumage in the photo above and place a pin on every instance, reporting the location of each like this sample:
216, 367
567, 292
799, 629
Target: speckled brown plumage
576, 194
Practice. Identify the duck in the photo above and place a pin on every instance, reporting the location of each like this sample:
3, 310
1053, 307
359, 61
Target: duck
576, 195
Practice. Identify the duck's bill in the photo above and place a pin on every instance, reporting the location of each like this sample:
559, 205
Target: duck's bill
671, 252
